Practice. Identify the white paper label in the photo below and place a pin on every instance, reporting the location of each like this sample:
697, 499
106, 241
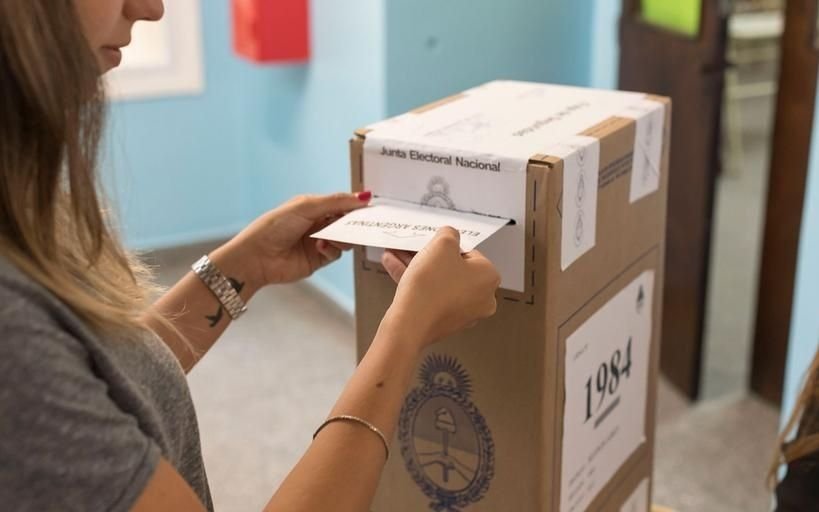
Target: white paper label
638, 501
581, 169
471, 153
648, 147
462, 189
407, 226
606, 387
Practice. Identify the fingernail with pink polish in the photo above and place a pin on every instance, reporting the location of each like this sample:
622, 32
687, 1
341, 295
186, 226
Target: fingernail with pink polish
364, 196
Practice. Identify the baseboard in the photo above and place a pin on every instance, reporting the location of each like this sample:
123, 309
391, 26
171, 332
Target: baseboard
344, 301
158, 243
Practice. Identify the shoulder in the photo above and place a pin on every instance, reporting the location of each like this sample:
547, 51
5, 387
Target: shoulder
70, 444
37, 331
23, 298
21, 295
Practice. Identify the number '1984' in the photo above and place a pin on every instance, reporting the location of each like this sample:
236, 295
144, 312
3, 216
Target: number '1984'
607, 380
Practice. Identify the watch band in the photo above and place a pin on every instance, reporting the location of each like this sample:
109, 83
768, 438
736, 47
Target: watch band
220, 287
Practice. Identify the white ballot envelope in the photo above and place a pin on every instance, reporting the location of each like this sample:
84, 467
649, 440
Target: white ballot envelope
406, 226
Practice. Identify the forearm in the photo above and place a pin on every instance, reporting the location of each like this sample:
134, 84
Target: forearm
342, 467
197, 318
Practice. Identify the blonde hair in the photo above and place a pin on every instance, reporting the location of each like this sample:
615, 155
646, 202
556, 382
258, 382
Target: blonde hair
52, 112
804, 445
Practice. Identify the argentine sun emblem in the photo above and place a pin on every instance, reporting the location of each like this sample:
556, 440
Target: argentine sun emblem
438, 194
445, 441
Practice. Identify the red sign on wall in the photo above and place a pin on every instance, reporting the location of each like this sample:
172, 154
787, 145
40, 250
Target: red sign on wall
272, 30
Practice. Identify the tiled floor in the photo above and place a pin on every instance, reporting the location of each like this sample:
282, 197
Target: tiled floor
714, 456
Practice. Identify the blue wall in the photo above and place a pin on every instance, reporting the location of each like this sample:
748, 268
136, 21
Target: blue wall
804, 339
176, 162
297, 121
199, 168
435, 49
605, 51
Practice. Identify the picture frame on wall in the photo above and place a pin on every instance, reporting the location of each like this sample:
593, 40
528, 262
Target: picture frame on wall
164, 59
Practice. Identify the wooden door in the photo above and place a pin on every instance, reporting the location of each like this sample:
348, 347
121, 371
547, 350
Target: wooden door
689, 69
786, 188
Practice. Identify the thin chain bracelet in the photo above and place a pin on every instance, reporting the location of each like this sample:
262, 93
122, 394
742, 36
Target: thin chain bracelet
360, 421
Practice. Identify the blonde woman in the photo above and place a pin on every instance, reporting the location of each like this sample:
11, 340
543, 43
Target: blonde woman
95, 413
799, 490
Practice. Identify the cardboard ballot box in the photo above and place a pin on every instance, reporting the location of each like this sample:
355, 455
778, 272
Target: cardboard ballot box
550, 404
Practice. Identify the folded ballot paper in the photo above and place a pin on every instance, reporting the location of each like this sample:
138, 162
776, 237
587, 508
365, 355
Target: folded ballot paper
406, 226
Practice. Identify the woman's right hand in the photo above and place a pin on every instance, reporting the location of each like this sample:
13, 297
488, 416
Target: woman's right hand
441, 291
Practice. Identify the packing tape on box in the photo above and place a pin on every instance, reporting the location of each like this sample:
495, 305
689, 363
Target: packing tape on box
649, 116
470, 153
581, 169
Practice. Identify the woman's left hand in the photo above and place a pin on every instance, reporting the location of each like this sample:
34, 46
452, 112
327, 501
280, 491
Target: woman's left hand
279, 241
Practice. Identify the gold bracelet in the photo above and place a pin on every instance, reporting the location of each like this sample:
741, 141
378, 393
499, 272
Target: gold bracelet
360, 421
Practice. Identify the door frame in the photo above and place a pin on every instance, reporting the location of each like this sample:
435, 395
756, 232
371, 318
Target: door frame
787, 176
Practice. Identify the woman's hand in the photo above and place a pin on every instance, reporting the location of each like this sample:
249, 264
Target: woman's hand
278, 243
440, 291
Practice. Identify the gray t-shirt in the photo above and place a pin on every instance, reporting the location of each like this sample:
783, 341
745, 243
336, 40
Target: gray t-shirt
84, 419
